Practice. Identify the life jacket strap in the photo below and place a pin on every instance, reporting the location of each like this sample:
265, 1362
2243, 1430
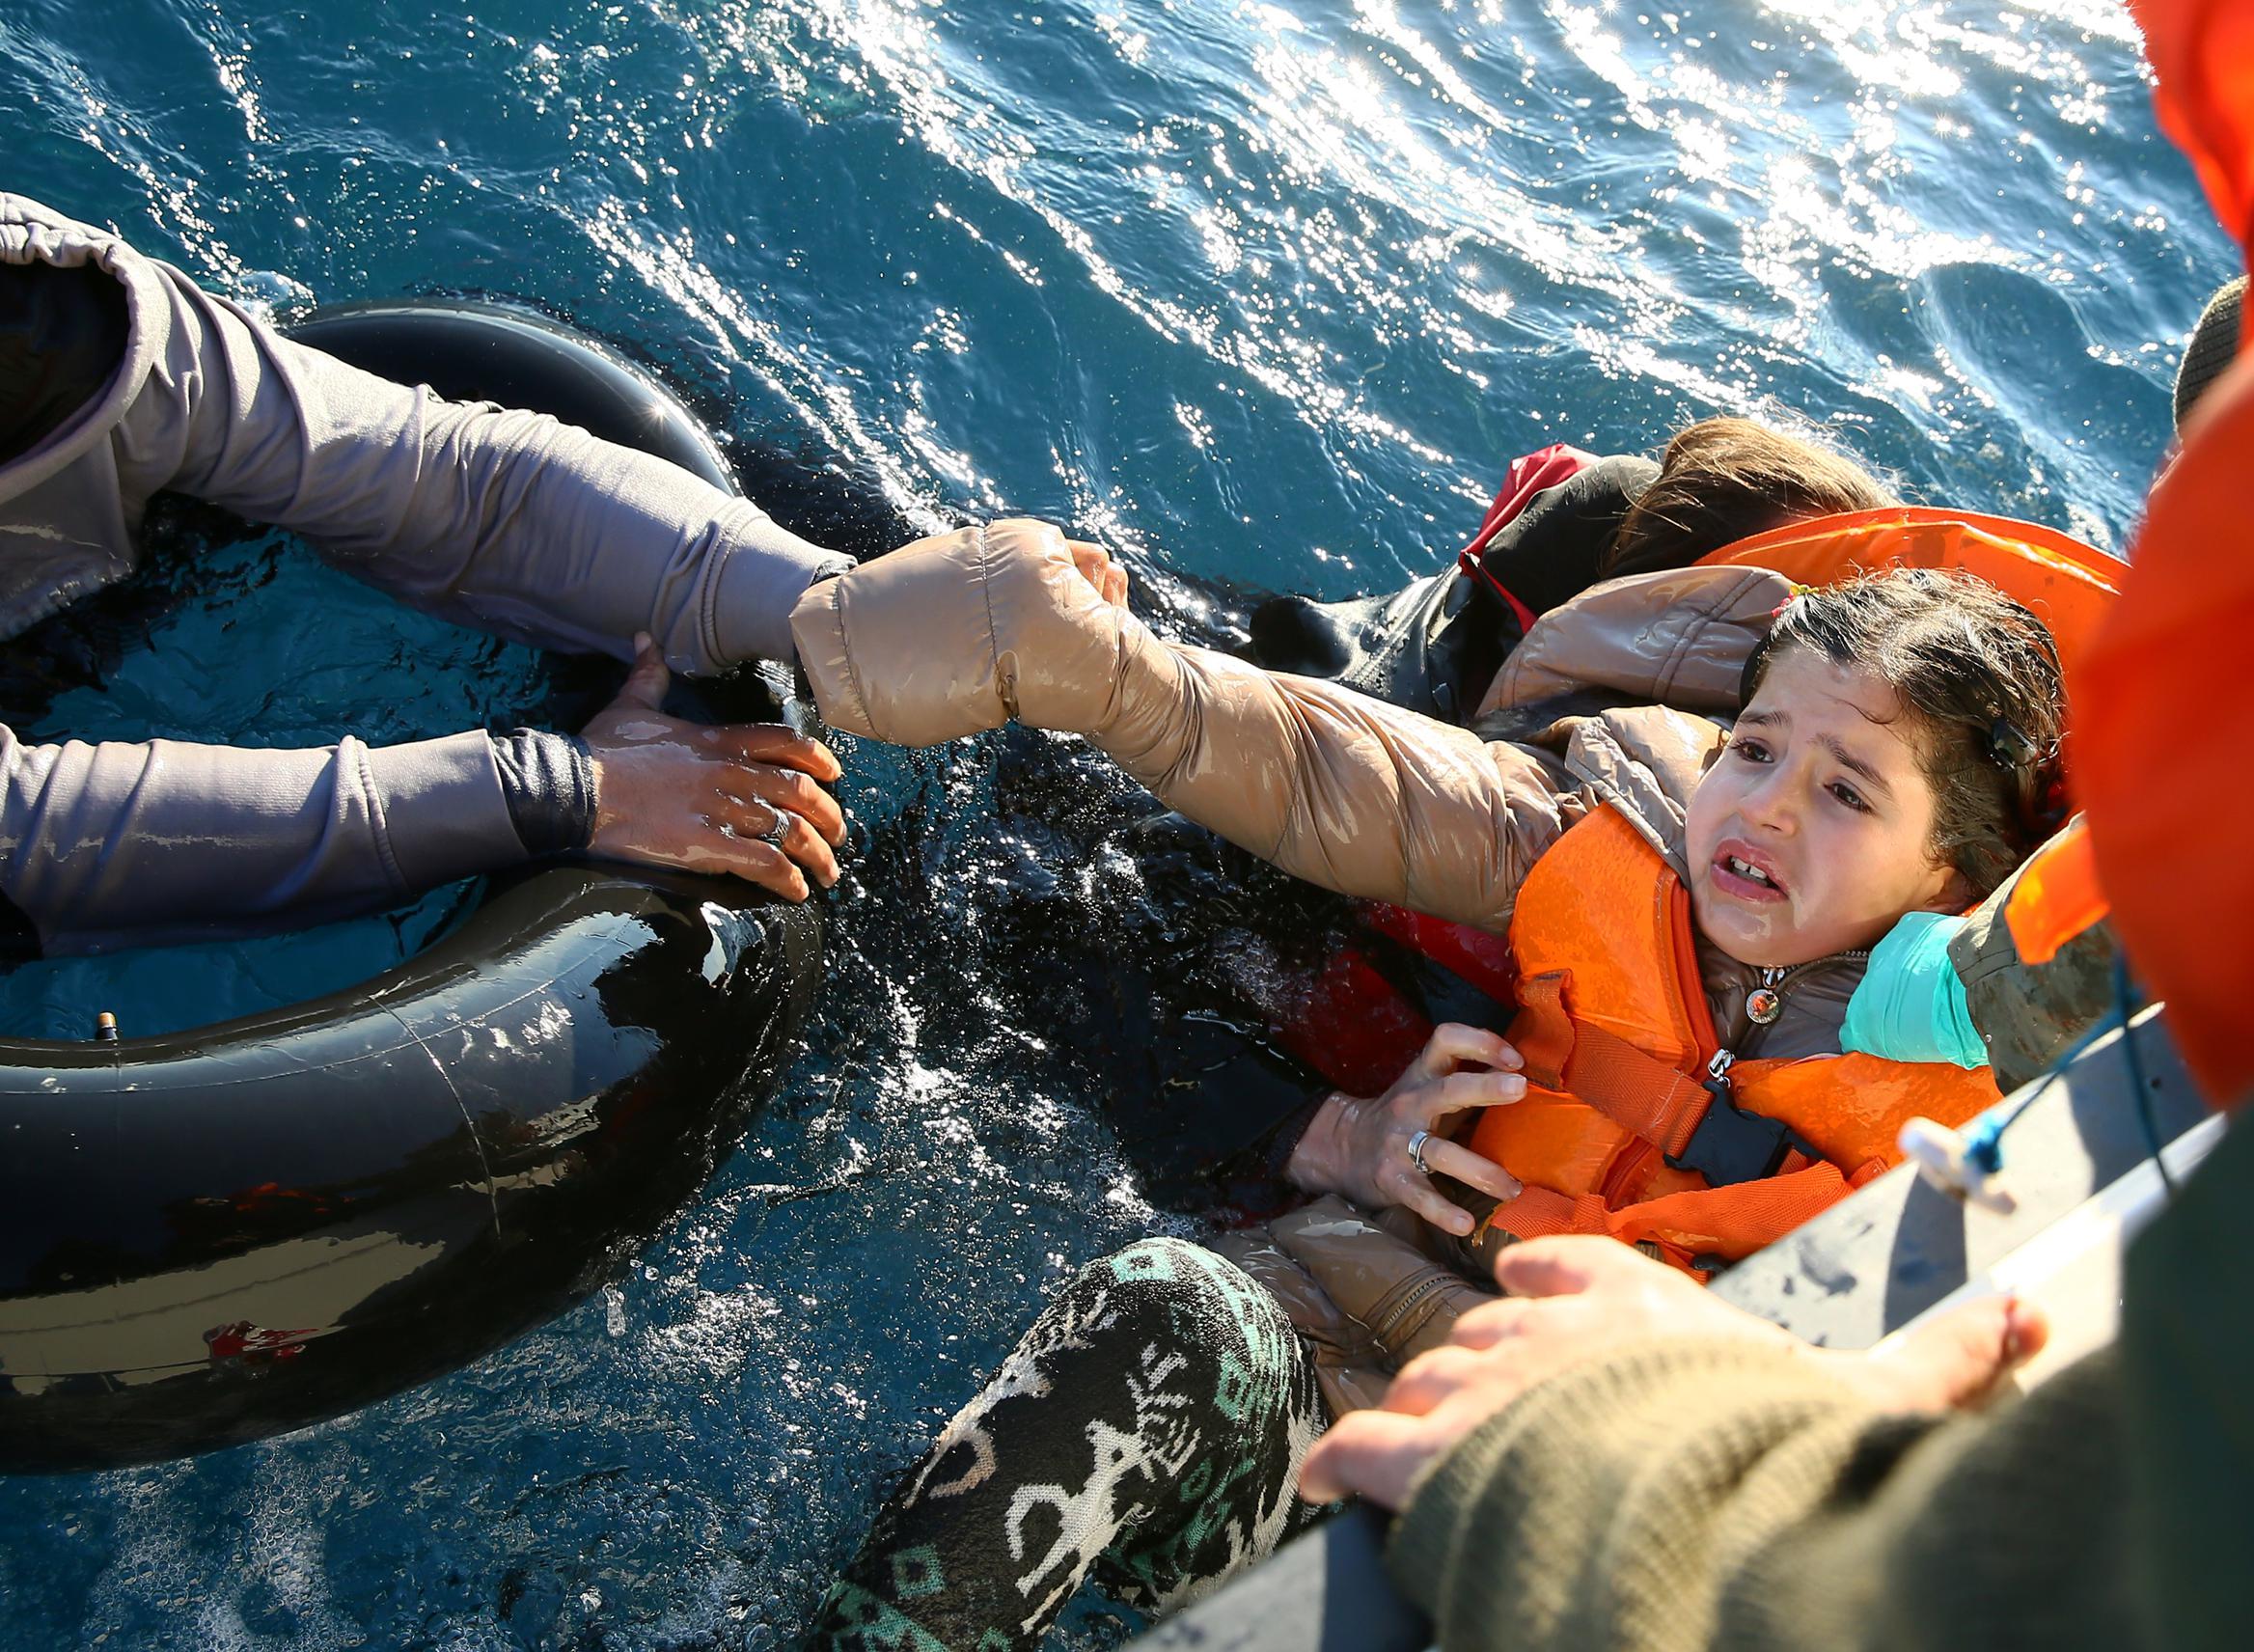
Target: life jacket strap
1723, 1224
1693, 1121
1732, 1145
2057, 898
1529, 475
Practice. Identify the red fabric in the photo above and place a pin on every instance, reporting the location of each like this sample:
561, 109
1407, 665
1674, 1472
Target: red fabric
1355, 1028
1529, 474
2202, 53
1476, 955
2167, 723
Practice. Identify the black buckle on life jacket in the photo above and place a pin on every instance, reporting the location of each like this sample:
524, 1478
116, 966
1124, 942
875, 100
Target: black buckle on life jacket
1732, 1145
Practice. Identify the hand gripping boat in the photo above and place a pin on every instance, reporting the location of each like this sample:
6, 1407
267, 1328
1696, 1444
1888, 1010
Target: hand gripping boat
225, 1233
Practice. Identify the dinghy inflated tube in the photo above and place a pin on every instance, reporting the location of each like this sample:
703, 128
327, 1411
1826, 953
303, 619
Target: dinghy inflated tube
221, 1235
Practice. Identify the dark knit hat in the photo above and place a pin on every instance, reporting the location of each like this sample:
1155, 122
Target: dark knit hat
2215, 341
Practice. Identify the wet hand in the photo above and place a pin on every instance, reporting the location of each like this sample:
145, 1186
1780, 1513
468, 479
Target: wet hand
1576, 1298
742, 799
1096, 567
1366, 1148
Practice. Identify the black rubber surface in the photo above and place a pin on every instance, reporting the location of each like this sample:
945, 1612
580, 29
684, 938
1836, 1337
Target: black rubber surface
220, 1234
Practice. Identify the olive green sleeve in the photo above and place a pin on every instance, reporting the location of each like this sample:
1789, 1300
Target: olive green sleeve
2028, 1015
1721, 1494
1711, 1495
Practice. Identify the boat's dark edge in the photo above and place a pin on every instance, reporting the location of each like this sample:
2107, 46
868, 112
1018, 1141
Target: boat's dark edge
219, 1234
1867, 1266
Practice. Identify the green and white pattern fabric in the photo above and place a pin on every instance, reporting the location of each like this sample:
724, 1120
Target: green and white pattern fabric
1147, 1431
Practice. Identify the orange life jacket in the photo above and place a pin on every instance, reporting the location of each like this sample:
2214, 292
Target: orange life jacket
1358, 1029
1635, 1122
2069, 585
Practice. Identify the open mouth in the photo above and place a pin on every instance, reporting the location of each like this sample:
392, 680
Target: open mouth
1744, 875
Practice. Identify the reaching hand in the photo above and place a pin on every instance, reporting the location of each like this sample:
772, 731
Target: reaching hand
1366, 1148
741, 798
1576, 1299
1097, 567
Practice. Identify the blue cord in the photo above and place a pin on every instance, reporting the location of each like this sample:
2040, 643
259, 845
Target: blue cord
1984, 1141
2127, 1001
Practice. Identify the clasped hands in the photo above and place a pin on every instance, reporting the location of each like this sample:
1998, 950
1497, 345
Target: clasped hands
745, 799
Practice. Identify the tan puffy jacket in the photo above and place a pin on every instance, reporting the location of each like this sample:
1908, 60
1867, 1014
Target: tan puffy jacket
965, 631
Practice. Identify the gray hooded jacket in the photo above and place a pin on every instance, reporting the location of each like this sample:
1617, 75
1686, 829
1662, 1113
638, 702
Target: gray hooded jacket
505, 520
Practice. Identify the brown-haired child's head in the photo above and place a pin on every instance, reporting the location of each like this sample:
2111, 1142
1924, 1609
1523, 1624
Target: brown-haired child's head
1725, 479
1899, 739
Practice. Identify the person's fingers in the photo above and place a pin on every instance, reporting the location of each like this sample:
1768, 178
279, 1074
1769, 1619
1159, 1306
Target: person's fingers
1403, 1185
1431, 1378
773, 743
1092, 561
1115, 586
1471, 1170
754, 860
797, 839
1460, 1091
2029, 1332
1374, 1452
789, 790
1452, 1043
1492, 1322
1954, 1358
1564, 1264
647, 682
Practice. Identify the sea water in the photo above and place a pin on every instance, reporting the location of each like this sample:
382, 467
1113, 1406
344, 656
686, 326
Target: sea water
1263, 295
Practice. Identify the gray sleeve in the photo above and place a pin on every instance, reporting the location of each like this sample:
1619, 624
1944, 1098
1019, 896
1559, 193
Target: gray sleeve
505, 520
2030, 1015
501, 519
117, 845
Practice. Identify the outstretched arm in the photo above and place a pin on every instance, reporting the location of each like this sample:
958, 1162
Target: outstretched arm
965, 631
493, 518
132, 844
1609, 1455
122, 844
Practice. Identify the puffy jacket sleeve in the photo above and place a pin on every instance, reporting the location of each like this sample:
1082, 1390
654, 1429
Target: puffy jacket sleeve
502, 519
963, 632
127, 845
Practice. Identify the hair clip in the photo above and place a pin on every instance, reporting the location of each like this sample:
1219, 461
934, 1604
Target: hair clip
2010, 745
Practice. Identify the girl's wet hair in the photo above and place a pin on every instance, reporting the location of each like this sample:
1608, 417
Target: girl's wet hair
1979, 675
1726, 479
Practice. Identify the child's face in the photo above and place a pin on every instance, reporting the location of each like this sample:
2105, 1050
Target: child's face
1811, 834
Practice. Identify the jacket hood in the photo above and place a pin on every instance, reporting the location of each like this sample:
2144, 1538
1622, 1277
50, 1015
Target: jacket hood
31, 233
